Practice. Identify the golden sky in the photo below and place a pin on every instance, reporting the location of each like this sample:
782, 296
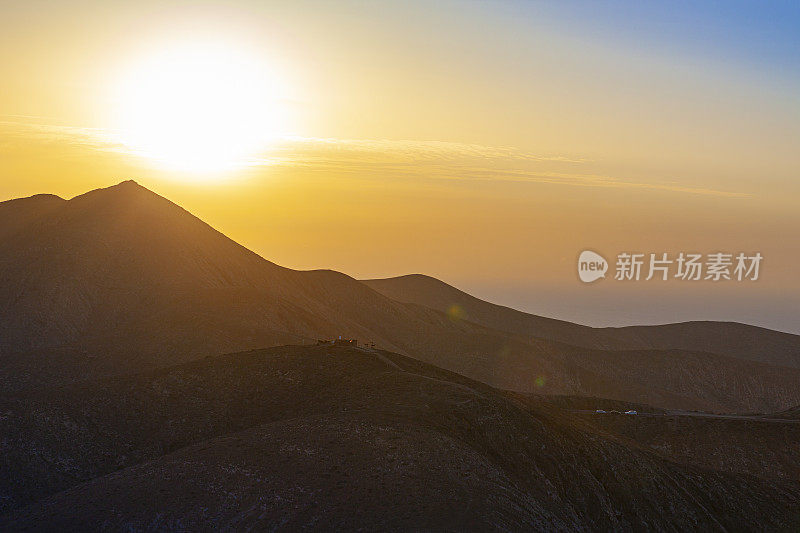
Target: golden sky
486, 144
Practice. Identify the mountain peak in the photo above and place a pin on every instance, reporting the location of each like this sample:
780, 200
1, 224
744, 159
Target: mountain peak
36, 199
123, 192
17, 213
127, 185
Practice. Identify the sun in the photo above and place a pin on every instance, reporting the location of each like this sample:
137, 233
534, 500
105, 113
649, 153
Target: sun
199, 107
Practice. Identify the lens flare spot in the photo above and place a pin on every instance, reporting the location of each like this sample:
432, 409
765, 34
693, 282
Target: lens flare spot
456, 313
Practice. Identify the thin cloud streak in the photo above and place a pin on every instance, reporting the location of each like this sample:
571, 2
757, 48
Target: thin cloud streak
439, 160
455, 161
90, 138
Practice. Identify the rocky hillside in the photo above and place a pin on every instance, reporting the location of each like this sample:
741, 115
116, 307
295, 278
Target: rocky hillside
747, 445
280, 438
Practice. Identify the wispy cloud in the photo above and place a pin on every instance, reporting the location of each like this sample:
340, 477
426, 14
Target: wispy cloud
26, 129
407, 150
456, 161
382, 158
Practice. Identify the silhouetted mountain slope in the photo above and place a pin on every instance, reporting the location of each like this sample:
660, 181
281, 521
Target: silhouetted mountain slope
104, 259
339, 438
719, 383
727, 338
121, 280
122, 269
18, 213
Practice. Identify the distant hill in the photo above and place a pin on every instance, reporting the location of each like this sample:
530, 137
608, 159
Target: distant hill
122, 280
727, 338
285, 437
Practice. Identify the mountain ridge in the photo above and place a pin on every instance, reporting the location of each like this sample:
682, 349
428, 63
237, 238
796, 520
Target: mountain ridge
120, 279
742, 340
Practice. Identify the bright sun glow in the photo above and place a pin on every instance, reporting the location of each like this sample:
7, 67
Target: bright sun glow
201, 108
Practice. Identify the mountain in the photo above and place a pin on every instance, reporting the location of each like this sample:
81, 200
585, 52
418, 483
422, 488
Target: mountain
121, 280
124, 270
324, 437
17, 213
147, 385
728, 338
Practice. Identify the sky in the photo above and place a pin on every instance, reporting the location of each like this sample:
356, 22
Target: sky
484, 143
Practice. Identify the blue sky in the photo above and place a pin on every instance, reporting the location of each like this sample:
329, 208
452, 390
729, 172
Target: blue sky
755, 35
